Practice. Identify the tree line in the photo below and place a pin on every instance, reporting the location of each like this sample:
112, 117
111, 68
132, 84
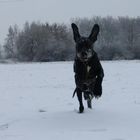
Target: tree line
119, 38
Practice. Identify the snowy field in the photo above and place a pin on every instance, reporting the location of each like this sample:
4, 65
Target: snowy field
36, 103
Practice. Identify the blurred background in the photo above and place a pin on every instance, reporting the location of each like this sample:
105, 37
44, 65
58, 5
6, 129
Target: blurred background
39, 30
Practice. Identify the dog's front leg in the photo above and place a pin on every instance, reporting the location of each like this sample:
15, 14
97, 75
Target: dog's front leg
98, 84
79, 96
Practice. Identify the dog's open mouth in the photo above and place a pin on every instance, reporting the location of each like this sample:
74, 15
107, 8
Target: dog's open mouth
85, 59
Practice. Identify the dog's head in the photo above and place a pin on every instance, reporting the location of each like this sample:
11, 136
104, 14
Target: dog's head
84, 45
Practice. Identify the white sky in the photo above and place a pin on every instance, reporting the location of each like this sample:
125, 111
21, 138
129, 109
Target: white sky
19, 11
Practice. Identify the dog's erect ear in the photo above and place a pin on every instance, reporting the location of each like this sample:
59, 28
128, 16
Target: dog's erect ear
94, 33
75, 32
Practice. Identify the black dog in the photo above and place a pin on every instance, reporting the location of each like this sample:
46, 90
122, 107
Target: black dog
88, 70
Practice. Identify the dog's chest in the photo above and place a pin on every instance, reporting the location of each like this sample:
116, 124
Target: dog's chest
88, 68
87, 72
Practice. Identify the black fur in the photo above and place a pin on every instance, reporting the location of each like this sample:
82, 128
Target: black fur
88, 81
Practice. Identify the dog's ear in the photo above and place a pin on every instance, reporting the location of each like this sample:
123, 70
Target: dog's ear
94, 33
75, 32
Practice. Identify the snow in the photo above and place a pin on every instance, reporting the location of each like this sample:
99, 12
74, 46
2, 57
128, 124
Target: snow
36, 103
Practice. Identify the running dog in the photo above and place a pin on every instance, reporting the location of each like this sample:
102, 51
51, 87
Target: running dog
87, 67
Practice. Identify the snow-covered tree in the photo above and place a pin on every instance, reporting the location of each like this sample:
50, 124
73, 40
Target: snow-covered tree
10, 45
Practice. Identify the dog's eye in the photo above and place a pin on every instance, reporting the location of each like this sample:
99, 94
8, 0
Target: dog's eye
89, 50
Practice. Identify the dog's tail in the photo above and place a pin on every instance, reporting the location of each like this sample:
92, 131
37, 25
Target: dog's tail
74, 92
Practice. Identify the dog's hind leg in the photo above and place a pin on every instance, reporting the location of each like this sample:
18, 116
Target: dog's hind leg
89, 103
79, 96
88, 96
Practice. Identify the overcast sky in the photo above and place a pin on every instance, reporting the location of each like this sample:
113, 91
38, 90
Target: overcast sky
19, 11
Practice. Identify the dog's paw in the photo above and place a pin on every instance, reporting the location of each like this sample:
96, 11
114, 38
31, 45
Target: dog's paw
97, 90
81, 109
97, 97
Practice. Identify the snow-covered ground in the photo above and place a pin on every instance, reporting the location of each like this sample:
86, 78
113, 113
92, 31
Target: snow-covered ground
36, 103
